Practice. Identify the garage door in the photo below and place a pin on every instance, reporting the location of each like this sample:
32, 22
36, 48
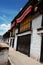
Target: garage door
23, 44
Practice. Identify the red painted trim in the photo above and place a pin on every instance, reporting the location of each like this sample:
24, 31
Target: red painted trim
28, 10
12, 25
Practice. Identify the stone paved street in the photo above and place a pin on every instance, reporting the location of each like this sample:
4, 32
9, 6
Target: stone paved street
17, 58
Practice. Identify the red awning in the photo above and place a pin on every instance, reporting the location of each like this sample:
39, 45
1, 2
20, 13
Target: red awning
12, 25
27, 11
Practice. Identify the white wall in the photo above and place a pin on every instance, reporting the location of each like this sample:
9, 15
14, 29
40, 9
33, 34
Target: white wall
36, 23
15, 43
36, 39
15, 39
35, 45
11, 41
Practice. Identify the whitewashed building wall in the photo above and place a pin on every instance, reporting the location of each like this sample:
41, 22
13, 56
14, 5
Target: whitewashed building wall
9, 41
35, 38
15, 43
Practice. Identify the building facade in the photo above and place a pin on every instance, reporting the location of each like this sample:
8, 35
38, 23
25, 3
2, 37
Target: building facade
29, 38
6, 37
26, 33
13, 36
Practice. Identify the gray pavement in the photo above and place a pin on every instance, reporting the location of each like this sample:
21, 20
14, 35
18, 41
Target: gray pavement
17, 58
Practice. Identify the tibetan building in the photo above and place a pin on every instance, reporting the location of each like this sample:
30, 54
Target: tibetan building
24, 23
13, 36
6, 37
26, 34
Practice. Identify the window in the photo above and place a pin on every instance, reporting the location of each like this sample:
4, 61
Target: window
25, 25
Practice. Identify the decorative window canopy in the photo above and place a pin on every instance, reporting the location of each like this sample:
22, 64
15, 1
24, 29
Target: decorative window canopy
27, 11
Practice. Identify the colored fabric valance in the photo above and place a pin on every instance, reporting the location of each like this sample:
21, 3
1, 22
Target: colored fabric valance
27, 11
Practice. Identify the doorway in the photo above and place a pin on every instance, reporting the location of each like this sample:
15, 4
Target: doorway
41, 57
23, 44
13, 43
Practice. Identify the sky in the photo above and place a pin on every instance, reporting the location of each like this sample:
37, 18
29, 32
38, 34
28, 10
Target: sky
8, 10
